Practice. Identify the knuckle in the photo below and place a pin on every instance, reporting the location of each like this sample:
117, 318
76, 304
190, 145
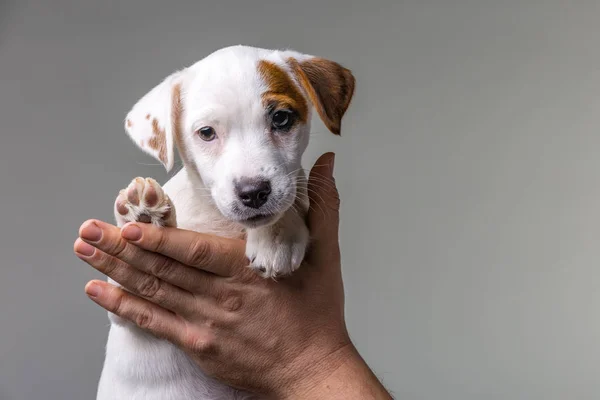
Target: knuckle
119, 305
144, 318
149, 287
231, 303
197, 341
161, 242
201, 344
119, 248
160, 267
201, 253
109, 266
161, 297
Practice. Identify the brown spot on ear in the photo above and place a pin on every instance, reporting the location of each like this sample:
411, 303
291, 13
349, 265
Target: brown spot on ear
282, 91
147, 116
176, 110
176, 118
129, 124
158, 142
329, 86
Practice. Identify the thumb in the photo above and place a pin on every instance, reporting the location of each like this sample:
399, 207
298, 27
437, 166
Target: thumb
323, 215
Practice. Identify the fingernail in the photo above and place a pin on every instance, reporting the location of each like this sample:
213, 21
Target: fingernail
132, 232
91, 232
85, 249
93, 290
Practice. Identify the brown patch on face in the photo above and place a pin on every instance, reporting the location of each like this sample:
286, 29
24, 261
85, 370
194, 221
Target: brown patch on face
129, 124
158, 142
329, 86
281, 92
147, 116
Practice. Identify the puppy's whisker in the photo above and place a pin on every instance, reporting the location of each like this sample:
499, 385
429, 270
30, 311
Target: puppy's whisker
312, 191
315, 174
313, 200
312, 172
315, 179
308, 171
291, 173
294, 171
327, 186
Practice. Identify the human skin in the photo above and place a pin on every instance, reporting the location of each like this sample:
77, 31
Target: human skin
284, 339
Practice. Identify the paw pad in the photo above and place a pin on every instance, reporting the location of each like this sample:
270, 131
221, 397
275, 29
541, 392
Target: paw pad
144, 201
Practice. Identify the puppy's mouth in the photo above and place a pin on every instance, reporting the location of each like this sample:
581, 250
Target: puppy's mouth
254, 217
258, 220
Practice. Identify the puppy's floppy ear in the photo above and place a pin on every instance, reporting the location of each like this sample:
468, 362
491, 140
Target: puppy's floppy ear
329, 86
150, 122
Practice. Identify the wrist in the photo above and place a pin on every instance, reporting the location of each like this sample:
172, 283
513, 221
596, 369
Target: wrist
342, 374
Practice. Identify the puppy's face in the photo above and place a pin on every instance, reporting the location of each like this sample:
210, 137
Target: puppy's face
241, 121
245, 129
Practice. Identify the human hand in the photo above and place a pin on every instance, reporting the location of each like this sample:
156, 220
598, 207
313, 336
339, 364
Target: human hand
285, 339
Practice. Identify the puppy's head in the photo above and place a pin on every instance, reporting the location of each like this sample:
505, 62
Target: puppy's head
240, 119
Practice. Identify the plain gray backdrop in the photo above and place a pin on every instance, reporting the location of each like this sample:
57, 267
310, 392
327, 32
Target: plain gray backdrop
468, 167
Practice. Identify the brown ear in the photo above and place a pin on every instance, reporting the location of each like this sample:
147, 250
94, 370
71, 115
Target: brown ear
330, 88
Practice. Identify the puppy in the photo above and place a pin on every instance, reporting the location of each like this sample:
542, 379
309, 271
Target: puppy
240, 120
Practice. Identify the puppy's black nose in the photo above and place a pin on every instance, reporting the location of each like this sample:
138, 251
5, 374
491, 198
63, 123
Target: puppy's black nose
253, 192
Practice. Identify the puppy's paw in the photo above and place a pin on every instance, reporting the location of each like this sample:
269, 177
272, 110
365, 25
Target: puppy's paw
273, 256
144, 201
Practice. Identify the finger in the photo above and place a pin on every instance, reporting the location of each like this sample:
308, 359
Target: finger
138, 282
143, 313
220, 256
107, 238
323, 215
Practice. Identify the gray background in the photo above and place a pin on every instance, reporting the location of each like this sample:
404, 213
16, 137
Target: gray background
468, 169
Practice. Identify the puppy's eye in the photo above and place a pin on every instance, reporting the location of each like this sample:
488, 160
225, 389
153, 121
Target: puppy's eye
282, 120
207, 133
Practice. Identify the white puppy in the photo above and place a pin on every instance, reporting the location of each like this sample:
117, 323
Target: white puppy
240, 119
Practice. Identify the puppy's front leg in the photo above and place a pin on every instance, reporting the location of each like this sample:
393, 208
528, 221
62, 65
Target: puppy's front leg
278, 249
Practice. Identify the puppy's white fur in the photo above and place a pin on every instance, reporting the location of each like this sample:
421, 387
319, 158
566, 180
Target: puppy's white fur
224, 91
